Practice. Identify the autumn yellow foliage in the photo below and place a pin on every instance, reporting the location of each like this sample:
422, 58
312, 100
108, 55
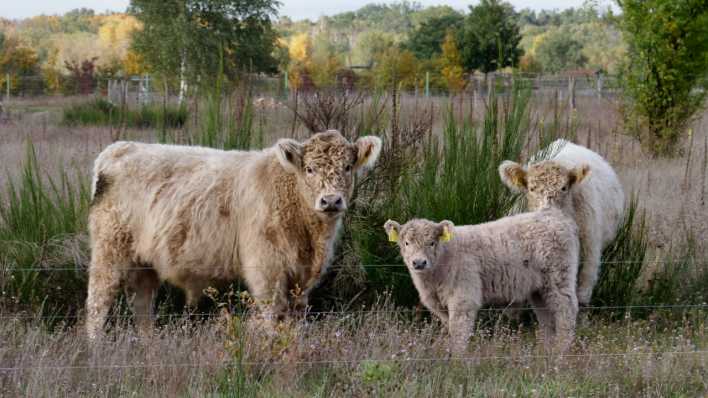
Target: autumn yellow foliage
300, 48
451, 65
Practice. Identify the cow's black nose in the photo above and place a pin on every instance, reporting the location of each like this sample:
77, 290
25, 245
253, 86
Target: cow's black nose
420, 264
331, 203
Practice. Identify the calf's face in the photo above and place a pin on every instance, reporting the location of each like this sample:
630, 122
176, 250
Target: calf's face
419, 241
545, 184
325, 166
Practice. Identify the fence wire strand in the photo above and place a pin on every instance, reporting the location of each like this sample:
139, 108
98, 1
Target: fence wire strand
178, 315
331, 267
446, 359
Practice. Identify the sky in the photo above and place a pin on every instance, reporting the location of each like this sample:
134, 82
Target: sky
295, 9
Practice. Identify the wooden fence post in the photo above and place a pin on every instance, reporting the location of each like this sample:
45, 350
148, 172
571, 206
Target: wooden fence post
600, 83
490, 86
571, 92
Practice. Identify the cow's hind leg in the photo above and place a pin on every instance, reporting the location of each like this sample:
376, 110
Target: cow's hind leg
143, 284
591, 256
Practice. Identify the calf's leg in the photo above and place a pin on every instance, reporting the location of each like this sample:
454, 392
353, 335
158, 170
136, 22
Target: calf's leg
461, 326
546, 321
564, 308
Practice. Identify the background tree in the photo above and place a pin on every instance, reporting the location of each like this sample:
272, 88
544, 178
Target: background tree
559, 51
490, 37
397, 69
451, 65
300, 56
667, 48
201, 38
371, 45
20, 63
426, 40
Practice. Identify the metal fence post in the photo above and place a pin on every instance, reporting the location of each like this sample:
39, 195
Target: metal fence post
7, 85
427, 84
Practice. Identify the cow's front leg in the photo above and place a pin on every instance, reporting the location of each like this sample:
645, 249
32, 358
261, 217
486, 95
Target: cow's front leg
269, 290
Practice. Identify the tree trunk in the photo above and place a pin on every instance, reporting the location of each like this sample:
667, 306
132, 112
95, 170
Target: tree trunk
182, 79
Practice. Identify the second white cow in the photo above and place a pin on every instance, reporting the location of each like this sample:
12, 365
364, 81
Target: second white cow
596, 204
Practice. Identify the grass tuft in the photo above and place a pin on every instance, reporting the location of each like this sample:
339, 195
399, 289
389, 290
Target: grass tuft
42, 221
100, 112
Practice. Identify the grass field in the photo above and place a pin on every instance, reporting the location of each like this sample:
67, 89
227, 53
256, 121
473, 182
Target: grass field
375, 344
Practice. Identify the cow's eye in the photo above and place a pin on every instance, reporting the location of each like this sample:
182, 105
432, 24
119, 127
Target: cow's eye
565, 188
348, 168
309, 170
406, 243
432, 244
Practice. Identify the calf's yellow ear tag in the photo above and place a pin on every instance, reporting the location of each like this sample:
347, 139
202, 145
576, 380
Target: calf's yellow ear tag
393, 235
446, 235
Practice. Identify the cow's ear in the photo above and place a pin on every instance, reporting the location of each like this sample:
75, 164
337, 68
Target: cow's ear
289, 154
578, 174
368, 150
513, 175
392, 230
446, 228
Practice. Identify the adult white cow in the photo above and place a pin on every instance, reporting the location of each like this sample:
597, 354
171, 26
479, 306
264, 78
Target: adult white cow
192, 216
596, 203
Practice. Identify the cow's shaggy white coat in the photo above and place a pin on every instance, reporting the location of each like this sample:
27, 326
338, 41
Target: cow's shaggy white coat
197, 216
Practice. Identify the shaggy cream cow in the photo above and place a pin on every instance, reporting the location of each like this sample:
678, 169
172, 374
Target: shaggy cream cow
193, 216
597, 205
458, 270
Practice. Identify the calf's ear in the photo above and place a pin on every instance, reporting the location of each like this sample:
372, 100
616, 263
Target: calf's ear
289, 153
446, 228
513, 175
368, 149
392, 229
578, 174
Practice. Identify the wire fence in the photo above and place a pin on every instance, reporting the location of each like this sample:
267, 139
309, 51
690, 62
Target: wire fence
332, 267
178, 315
442, 359
309, 313
145, 89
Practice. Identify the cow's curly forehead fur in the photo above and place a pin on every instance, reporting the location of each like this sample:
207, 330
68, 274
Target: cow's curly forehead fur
329, 149
548, 175
420, 231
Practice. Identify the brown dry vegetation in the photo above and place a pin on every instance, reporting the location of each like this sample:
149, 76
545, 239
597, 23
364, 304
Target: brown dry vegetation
672, 190
358, 354
377, 353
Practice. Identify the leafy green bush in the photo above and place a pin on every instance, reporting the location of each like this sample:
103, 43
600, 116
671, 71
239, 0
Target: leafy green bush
668, 58
100, 112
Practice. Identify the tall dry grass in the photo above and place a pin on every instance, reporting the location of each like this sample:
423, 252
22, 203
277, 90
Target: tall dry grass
362, 354
359, 354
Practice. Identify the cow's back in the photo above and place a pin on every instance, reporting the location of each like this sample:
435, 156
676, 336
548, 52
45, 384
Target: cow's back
181, 204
